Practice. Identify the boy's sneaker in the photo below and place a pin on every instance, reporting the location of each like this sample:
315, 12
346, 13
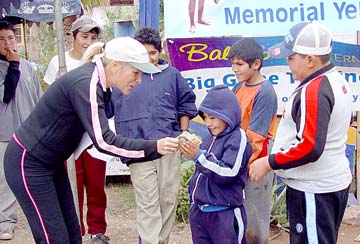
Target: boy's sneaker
6, 235
100, 238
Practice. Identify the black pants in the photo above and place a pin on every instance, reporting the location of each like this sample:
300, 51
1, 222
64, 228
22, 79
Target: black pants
43, 192
315, 218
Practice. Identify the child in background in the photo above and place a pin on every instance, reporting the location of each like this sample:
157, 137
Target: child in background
217, 213
258, 103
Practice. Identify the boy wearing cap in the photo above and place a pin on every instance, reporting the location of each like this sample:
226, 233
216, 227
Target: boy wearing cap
309, 148
258, 103
161, 105
84, 32
34, 159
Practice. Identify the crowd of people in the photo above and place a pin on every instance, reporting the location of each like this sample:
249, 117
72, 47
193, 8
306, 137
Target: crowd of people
152, 104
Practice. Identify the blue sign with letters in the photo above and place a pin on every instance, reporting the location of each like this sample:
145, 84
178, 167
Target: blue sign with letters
256, 17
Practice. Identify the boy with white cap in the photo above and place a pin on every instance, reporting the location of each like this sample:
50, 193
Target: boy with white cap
309, 148
34, 160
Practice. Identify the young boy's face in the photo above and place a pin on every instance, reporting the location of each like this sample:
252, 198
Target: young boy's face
243, 71
7, 41
83, 40
215, 125
153, 53
298, 66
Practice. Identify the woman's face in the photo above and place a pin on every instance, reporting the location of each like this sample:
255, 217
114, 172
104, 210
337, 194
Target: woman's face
123, 76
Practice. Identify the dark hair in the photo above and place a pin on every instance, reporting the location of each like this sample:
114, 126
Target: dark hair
325, 58
149, 36
248, 50
5, 25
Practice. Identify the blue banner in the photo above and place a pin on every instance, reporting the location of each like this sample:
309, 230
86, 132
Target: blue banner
255, 17
39, 10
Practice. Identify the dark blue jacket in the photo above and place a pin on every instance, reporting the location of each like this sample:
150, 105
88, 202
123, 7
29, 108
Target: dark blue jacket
152, 110
221, 166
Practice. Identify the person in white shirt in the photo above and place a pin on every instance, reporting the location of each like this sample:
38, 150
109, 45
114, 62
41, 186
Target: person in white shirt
84, 32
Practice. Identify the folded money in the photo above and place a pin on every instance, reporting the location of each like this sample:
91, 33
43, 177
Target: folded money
187, 136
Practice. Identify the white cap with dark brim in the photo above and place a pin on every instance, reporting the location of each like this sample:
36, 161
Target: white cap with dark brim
131, 51
308, 38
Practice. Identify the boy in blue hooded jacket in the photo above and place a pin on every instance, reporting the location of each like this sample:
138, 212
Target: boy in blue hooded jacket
217, 214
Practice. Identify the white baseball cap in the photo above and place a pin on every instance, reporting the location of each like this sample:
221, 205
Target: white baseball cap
131, 51
304, 38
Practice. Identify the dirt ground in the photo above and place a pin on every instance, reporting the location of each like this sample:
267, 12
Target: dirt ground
121, 222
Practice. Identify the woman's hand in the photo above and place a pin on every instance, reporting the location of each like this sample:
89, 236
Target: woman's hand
167, 145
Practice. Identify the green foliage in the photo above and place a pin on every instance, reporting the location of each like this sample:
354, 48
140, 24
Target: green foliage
107, 33
47, 50
278, 208
89, 4
183, 208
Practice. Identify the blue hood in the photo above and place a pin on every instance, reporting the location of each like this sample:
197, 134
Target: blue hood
223, 104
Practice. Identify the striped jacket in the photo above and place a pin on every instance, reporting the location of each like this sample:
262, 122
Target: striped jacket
76, 103
221, 166
309, 147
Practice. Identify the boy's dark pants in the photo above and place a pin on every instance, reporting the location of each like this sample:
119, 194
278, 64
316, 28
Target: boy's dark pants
222, 227
315, 218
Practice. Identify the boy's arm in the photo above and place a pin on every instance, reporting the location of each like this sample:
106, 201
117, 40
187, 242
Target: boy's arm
185, 98
184, 122
263, 115
312, 116
11, 81
225, 170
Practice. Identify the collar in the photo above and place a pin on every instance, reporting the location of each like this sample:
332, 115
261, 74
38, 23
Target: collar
100, 70
316, 74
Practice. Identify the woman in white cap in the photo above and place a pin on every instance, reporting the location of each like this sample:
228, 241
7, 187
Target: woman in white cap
75, 103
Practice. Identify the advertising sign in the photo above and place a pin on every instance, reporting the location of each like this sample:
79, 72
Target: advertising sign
204, 63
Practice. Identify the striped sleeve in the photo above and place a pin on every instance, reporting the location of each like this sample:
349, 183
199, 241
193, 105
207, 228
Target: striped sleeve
233, 162
88, 99
311, 110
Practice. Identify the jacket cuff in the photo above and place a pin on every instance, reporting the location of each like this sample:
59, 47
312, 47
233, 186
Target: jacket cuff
272, 162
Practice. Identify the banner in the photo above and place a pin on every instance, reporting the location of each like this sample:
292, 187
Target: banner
255, 17
204, 64
39, 10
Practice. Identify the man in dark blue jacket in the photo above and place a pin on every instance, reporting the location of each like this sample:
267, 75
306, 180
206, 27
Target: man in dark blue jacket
161, 105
